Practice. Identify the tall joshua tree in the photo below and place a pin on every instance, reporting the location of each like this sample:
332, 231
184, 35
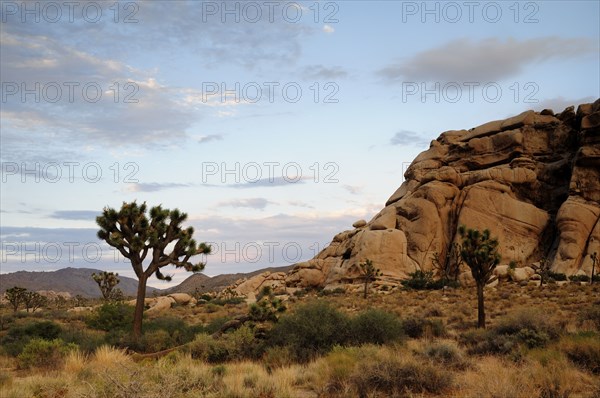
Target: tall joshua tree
480, 253
368, 274
138, 237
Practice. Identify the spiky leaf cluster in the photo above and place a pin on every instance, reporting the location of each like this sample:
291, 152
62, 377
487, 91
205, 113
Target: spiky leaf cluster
138, 237
368, 271
480, 252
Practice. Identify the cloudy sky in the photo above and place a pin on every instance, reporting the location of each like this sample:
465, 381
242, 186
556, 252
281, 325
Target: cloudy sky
273, 125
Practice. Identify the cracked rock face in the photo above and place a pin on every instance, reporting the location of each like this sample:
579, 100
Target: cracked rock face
533, 180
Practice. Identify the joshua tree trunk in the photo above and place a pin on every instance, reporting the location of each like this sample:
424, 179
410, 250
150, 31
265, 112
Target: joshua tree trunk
366, 288
480, 307
139, 306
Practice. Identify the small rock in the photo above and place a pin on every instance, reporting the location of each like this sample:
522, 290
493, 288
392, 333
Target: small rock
547, 112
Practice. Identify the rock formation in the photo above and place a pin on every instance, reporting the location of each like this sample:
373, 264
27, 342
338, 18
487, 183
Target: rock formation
533, 180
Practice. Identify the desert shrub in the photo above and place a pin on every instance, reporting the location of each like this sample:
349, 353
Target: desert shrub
156, 340
208, 349
557, 276
337, 368
579, 278
591, 314
397, 376
47, 354
583, 350
375, 327
419, 280
445, 353
87, 340
174, 330
111, 316
19, 335
484, 342
313, 329
237, 345
417, 327
277, 357
529, 327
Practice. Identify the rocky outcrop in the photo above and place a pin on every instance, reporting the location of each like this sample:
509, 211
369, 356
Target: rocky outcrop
533, 180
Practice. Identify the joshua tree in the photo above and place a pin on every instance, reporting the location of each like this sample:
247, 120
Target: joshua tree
368, 274
544, 270
33, 300
16, 296
594, 257
479, 252
450, 267
135, 236
106, 282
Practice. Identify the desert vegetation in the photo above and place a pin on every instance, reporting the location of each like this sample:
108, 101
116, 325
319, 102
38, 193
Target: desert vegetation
539, 342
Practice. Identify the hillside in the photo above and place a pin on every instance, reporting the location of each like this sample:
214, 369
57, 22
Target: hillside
72, 280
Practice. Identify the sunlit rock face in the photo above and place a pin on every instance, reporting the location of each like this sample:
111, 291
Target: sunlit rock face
533, 180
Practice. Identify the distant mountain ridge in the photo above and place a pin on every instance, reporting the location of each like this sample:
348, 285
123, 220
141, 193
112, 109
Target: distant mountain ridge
72, 280
203, 284
78, 281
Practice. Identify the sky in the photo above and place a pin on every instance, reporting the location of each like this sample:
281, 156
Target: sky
273, 125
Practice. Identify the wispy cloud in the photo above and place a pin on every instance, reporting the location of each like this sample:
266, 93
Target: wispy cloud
83, 215
466, 60
154, 186
320, 72
405, 137
211, 137
253, 203
271, 182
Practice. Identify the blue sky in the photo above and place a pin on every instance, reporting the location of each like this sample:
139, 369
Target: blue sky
106, 102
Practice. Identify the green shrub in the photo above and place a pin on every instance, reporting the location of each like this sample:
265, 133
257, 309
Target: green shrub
397, 377
375, 327
176, 331
19, 335
208, 349
419, 280
47, 354
312, 330
579, 278
111, 316
557, 276
416, 327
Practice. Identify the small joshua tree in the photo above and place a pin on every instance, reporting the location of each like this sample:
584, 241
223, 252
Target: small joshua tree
368, 274
106, 282
16, 296
480, 253
449, 268
543, 270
